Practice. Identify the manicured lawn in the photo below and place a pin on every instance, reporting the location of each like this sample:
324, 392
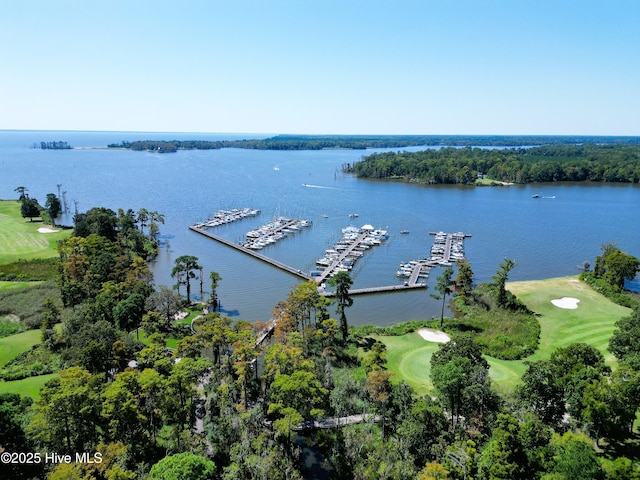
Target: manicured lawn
20, 239
14, 345
28, 387
592, 322
170, 341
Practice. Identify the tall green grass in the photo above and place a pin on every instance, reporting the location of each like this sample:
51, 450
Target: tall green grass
27, 304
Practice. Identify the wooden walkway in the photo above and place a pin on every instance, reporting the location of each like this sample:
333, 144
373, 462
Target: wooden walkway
262, 336
336, 422
240, 248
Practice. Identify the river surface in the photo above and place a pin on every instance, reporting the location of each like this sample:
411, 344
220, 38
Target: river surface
547, 237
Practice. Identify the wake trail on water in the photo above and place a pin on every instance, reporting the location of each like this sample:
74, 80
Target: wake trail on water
320, 186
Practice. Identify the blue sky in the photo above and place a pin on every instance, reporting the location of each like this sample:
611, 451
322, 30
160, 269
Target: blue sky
334, 67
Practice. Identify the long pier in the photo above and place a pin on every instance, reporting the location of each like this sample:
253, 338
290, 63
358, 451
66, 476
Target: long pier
387, 288
240, 248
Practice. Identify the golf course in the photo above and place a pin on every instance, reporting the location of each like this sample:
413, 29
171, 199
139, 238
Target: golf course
21, 239
584, 316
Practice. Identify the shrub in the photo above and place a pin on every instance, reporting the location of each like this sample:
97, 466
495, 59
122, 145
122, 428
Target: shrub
9, 327
397, 329
601, 286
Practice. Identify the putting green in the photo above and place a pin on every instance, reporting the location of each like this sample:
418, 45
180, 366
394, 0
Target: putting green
409, 357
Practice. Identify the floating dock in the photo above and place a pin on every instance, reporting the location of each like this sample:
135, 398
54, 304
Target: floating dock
338, 260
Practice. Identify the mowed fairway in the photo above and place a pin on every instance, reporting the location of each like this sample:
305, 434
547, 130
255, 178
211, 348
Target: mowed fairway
20, 239
27, 387
593, 323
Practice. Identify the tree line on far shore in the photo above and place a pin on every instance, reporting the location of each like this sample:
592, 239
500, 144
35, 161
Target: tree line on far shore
362, 142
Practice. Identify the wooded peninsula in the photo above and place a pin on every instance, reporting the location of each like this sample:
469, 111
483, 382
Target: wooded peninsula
549, 163
362, 142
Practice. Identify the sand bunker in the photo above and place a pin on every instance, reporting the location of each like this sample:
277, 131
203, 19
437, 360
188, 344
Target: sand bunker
566, 302
180, 316
47, 230
434, 335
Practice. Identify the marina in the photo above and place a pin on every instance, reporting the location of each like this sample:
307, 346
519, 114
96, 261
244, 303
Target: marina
447, 249
505, 222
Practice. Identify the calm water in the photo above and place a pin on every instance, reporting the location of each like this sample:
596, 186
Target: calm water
547, 237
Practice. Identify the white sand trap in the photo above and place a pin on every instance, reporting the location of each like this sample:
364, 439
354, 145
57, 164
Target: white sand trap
434, 335
180, 316
566, 302
47, 230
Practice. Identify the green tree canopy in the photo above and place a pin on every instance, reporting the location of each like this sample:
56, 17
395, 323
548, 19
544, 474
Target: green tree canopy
30, 208
625, 341
183, 466
53, 207
342, 281
184, 270
614, 266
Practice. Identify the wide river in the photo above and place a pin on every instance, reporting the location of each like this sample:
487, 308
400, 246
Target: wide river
547, 237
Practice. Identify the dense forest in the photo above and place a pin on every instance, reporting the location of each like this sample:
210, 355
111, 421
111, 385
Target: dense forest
549, 163
361, 142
